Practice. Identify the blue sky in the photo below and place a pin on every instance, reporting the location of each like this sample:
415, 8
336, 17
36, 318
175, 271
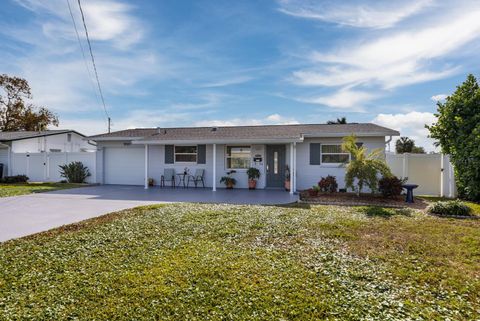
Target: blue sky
193, 63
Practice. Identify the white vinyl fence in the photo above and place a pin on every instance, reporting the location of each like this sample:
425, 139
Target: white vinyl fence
432, 172
44, 167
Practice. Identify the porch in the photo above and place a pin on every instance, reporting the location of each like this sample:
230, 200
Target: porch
275, 160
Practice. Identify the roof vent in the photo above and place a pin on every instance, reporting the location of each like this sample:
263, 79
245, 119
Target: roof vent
214, 129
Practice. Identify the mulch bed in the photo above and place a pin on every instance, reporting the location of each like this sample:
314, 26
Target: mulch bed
351, 199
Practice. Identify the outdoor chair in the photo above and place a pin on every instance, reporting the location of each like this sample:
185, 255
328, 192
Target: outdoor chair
168, 176
198, 177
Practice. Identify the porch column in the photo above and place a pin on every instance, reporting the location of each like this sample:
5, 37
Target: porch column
214, 182
146, 166
292, 169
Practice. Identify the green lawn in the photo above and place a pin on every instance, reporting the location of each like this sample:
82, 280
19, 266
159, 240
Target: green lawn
224, 262
29, 188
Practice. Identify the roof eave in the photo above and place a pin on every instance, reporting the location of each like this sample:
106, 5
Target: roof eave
372, 134
219, 141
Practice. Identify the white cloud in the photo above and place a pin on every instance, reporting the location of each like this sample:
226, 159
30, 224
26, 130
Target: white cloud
354, 13
398, 59
273, 119
411, 124
345, 98
107, 20
439, 97
228, 82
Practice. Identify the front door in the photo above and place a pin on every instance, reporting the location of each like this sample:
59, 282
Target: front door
275, 165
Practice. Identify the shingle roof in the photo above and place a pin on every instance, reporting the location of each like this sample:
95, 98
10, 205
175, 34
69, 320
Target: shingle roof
248, 132
9, 136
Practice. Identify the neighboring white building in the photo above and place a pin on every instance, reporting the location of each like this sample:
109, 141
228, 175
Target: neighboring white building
311, 151
39, 142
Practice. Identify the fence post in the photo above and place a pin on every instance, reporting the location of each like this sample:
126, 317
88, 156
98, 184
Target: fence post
442, 174
405, 165
451, 180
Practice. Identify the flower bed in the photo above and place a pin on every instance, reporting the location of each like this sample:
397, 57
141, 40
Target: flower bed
351, 199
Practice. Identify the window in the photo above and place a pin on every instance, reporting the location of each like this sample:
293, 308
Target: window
237, 157
69, 138
185, 154
333, 154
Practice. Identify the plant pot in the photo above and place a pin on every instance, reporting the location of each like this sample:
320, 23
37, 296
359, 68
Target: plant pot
151, 182
287, 186
229, 185
252, 184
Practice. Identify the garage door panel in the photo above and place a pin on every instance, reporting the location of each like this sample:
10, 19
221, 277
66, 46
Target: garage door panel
125, 166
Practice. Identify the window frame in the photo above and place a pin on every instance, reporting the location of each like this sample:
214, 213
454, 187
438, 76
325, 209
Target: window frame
185, 162
332, 164
226, 157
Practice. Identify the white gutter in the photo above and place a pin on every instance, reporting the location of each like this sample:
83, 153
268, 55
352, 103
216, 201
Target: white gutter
388, 142
106, 139
218, 141
371, 134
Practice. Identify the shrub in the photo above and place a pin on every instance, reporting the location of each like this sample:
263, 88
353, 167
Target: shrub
14, 179
253, 173
363, 169
74, 172
455, 208
313, 191
390, 186
328, 184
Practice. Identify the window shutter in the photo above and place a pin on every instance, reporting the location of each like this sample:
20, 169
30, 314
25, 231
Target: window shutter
169, 154
314, 153
201, 154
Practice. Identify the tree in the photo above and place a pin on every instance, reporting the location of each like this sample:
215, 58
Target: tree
418, 150
15, 113
407, 145
342, 120
457, 132
404, 145
363, 169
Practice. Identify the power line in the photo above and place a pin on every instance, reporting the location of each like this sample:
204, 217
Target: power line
90, 76
93, 63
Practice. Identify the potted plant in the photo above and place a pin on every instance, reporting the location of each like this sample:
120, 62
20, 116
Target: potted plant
151, 182
253, 174
287, 178
228, 180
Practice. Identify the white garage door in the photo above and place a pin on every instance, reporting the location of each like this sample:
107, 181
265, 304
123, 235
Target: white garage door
124, 166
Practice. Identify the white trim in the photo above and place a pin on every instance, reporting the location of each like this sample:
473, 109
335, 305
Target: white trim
214, 179
225, 156
328, 164
183, 162
146, 166
250, 141
292, 170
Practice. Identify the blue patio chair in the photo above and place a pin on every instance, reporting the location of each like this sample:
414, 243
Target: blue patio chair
168, 176
198, 177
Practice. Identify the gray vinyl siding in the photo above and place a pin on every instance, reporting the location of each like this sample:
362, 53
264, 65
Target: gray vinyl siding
309, 175
4, 160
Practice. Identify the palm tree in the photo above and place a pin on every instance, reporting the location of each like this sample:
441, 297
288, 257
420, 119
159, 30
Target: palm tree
404, 145
342, 120
363, 169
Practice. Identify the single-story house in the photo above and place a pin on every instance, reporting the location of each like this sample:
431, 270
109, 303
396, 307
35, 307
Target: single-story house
310, 151
62, 140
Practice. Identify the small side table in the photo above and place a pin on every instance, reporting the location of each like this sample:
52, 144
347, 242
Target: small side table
409, 188
181, 179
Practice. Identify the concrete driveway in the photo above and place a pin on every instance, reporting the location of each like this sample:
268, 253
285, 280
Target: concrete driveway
28, 214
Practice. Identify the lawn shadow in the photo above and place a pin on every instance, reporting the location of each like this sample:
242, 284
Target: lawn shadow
376, 211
